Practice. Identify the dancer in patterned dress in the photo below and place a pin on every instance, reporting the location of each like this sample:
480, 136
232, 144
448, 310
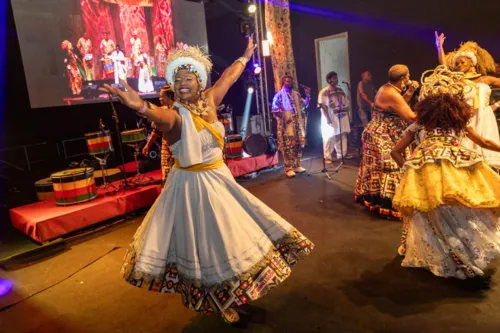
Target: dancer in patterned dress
71, 61
448, 197
378, 174
167, 160
206, 237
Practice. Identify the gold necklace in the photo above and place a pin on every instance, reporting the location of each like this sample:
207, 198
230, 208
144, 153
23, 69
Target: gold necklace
197, 109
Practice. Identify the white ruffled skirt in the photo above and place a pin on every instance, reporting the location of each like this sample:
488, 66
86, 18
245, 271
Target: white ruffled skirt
213, 242
451, 241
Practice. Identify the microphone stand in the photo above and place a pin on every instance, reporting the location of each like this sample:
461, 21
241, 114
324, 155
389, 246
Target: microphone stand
125, 184
339, 116
325, 170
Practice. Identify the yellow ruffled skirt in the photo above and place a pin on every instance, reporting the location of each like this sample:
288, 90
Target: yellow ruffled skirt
436, 184
451, 218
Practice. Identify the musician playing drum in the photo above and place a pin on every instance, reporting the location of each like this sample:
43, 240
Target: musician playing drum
167, 161
107, 47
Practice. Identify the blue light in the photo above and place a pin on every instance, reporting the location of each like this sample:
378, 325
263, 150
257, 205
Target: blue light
5, 287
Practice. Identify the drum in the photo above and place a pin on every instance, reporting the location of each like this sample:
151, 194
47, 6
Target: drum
255, 145
227, 120
234, 146
133, 136
44, 189
74, 186
99, 142
110, 174
108, 65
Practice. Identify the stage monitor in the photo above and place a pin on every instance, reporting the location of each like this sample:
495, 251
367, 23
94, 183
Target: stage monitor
70, 48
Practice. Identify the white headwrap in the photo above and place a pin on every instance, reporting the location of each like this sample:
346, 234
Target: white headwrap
467, 54
191, 59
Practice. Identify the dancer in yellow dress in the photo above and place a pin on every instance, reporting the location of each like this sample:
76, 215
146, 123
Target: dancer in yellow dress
448, 196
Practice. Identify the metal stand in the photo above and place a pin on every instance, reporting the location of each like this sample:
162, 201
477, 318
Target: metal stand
102, 164
338, 114
124, 184
139, 178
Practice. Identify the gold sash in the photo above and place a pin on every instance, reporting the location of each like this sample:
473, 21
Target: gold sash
201, 167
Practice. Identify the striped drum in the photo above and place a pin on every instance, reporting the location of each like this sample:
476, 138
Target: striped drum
234, 146
99, 142
133, 136
44, 189
74, 186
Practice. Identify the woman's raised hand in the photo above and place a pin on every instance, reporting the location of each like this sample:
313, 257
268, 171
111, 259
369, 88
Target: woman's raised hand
129, 97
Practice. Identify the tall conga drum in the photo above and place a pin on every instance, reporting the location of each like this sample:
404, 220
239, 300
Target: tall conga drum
108, 66
74, 186
99, 142
234, 146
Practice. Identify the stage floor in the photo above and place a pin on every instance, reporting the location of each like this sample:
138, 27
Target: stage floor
351, 283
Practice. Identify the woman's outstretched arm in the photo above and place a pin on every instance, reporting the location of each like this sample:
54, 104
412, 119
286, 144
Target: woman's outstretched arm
230, 75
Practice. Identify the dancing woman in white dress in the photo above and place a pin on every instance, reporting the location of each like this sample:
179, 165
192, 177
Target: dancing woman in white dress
206, 237
475, 62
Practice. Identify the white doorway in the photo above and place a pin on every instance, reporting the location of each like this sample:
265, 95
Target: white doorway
332, 54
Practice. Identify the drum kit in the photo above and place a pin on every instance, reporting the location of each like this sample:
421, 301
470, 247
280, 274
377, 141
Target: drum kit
74, 186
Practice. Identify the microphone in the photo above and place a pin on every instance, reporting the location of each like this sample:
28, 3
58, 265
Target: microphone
303, 86
346, 82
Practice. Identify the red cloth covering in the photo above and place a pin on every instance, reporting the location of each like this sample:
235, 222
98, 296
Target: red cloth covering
246, 165
44, 221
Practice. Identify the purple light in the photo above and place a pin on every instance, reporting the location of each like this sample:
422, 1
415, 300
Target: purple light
5, 287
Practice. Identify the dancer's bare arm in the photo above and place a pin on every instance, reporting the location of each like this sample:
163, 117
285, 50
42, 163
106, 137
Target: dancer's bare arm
229, 77
164, 119
399, 148
440, 49
490, 80
482, 142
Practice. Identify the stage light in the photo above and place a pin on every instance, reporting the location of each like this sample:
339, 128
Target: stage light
265, 48
270, 37
251, 85
257, 69
247, 27
252, 8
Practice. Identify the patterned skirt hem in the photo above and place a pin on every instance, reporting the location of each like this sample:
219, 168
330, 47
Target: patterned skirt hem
215, 298
384, 210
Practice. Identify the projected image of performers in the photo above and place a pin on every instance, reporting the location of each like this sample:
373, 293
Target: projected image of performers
117, 39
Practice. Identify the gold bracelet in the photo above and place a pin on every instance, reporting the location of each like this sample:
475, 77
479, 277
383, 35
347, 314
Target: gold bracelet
243, 61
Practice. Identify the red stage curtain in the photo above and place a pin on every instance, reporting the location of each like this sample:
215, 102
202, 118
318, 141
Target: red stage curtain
278, 23
133, 18
162, 23
97, 19
143, 3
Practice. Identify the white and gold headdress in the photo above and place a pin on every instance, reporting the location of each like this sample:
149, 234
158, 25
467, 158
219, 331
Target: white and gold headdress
442, 80
192, 59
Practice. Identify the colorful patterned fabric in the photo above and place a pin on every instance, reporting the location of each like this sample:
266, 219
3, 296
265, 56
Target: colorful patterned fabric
73, 72
378, 174
290, 132
449, 200
439, 145
167, 160
248, 286
278, 23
